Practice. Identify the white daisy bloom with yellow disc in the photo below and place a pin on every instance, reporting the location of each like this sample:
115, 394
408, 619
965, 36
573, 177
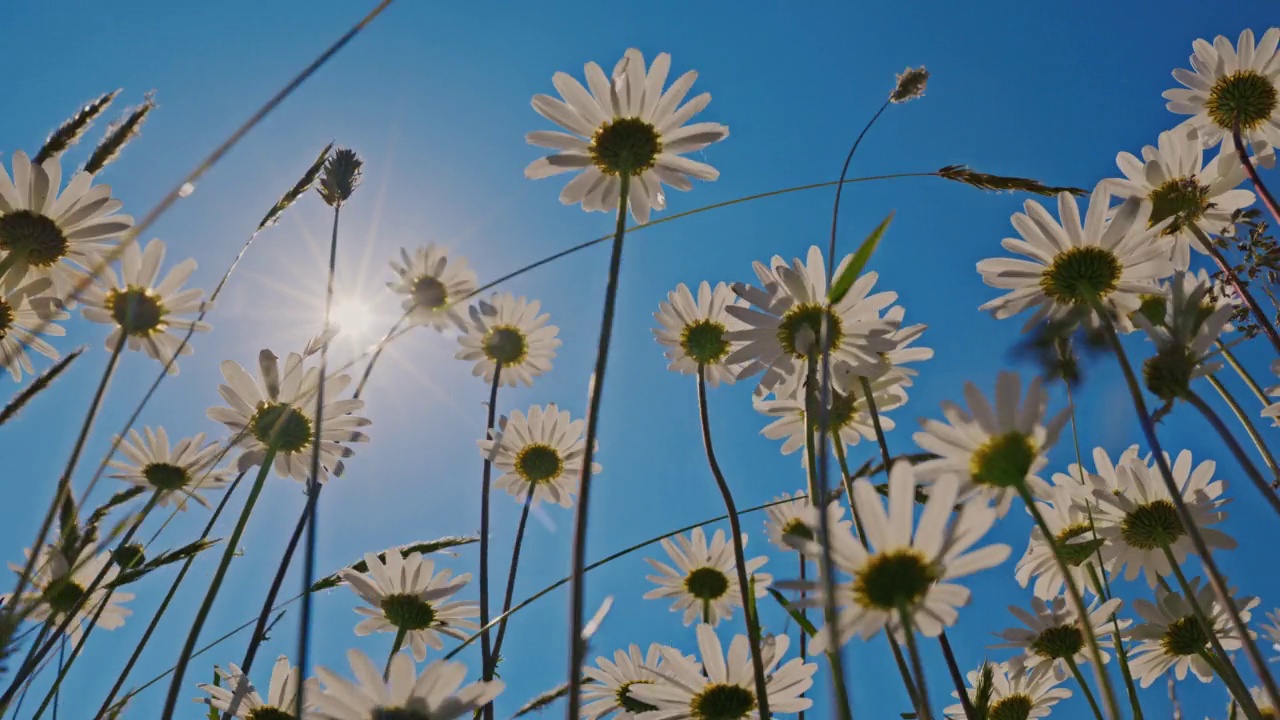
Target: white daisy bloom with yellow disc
408, 596
794, 520
723, 686
278, 411
538, 452
607, 691
1015, 694
176, 472
848, 419
53, 234
905, 564
695, 331
279, 703
1066, 512
1172, 638
621, 126
508, 332
703, 584
433, 284
58, 586
26, 314
997, 449
437, 693
144, 313
1053, 636
1185, 338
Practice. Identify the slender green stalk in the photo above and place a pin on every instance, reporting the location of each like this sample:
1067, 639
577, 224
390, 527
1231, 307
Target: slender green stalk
1263, 192
1243, 373
486, 480
923, 710
1237, 450
1249, 428
1117, 640
1216, 581
509, 595
1235, 687
1084, 687
1239, 286
395, 648
802, 635
577, 609
739, 554
180, 669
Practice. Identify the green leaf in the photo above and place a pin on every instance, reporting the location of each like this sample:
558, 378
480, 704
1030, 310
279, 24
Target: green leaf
848, 276
426, 548
801, 620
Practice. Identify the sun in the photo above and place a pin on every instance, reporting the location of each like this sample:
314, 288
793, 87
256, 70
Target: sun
355, 318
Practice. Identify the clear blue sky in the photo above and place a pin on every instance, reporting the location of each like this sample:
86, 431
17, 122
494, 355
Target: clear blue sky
435, 97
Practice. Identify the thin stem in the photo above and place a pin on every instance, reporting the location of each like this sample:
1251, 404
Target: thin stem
844, 170
508, 596
486, 481
1249, 428
1243, 373
577, 648
1117, 640
1084, 686
184, 658
395, 648
1237, 450
802, 634
164, 604
917, 666
1267, 198
1241, 289
881, 440
912, 694
957, 679
1219, 586
739, 554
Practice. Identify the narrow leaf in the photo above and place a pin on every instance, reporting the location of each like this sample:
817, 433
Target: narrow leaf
426, 548
996, 183
849, 275
70, 132
40, 383
542, 701
801, 620
303, 185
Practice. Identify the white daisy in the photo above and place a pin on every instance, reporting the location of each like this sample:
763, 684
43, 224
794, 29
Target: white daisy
1172, 637
798, 519
909, 565
1232, 86
407, 594
704, 582
608, 690
280, 410
627, 126
1015, 695
539, 453
184, 470
785, 321
434, 694
1054, 634
1273, 410
433, 284
1271, 629
56, 588
1174, 178
53, 233
1217, 296
848, 413
1184, 338
24, 311
1138, 518
1072, 263
281, 698
694, 331
1067, 511
994, 450
510, 332
143, 311
723, 687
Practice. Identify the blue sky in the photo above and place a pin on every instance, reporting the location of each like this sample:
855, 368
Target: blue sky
436, 100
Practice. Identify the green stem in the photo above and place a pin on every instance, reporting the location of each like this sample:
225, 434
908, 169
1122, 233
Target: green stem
1249, 428
1084, 686
1263, 193
1251, 470
1117, 640
184, 658
1243, 373
395, 648
1236, 687
802, 635
577, 606
509, 595
922, 689
486, 481
1241, 289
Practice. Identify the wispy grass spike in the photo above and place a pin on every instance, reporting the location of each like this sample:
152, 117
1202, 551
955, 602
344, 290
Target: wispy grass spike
39, 384
70, 132
911, 84
425, 548
165, 558
118, 135
997, 183
341, 176
542, 701
304, 184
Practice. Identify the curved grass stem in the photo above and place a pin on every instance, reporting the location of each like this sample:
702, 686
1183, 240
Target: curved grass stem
1243, 373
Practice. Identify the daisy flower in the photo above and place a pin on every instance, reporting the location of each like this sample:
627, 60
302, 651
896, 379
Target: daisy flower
1174, 178
1066, 512
279, 412
1015, 694
1216, 295
625, 126
508, 332
993, 450
797, 520
1273, 410
24, 311
58, 588
724, 687
436, 693
540, 453
694, 331
1232, 87
782, 328
1171, 638
1072, 264
848, 413
1184, 338
1138, 519
704, 582
1053, 635
433, 284
184, 469
1271, 629
50, 233
905, 564
142, 311
608, 694
281, 699
408, 595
